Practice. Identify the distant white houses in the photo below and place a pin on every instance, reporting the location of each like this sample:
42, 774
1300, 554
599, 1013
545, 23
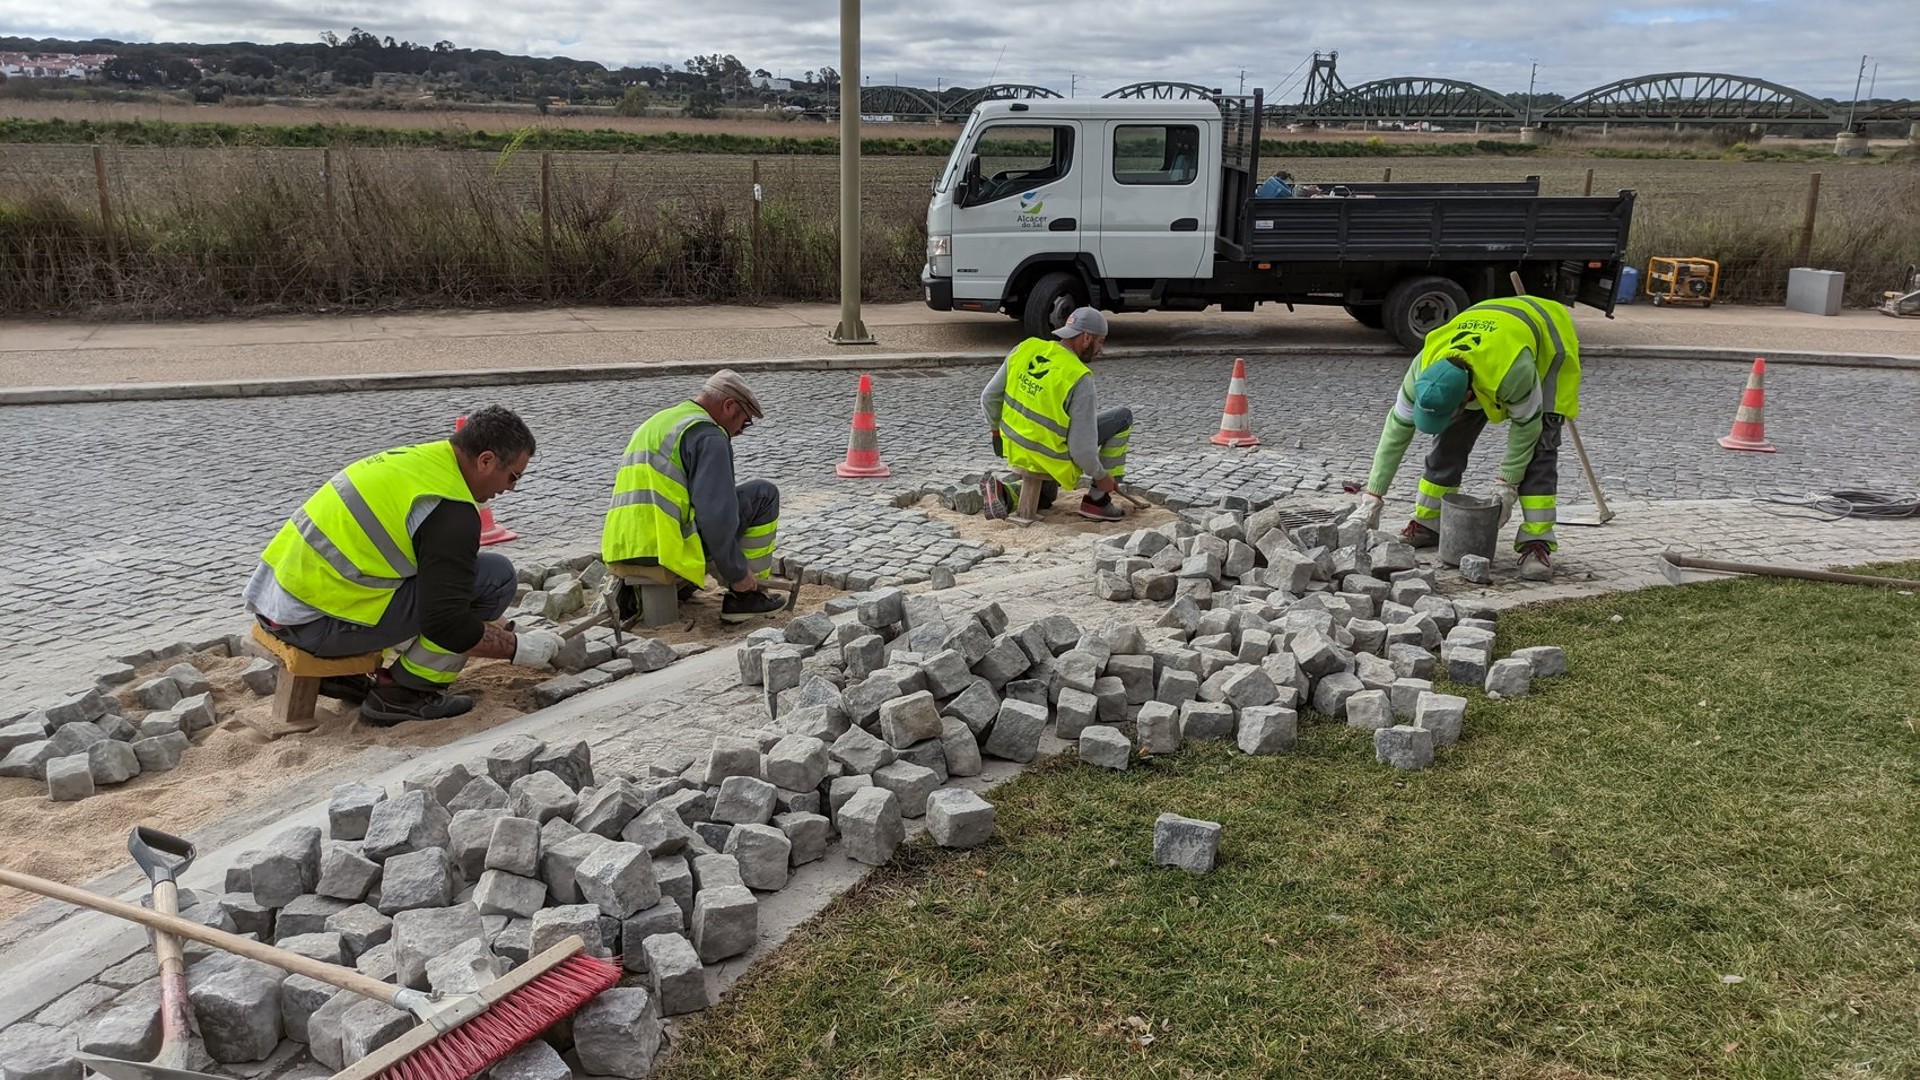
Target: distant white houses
53, 65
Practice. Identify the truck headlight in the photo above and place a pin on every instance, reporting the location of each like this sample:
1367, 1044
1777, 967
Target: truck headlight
939, 245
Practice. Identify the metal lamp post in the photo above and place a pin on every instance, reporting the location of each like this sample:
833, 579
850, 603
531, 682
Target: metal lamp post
850, 331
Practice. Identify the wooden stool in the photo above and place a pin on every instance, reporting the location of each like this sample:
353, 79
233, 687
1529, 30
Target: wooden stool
298, 686
659, 590
1030, 484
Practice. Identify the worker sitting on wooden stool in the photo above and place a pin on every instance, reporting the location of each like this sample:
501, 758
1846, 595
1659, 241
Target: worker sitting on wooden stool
1046, 421
675, 503
388, 552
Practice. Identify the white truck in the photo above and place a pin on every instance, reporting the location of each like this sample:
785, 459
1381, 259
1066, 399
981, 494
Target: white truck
1133, 205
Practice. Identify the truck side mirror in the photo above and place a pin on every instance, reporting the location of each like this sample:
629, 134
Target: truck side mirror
969, 181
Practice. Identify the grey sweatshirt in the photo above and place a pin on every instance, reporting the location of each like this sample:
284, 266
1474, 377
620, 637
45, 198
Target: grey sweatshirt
1083, 418
707, 454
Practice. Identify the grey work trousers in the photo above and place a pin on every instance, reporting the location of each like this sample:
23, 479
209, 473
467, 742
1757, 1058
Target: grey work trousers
493, 588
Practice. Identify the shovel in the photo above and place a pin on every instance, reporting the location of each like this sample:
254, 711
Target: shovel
164, 858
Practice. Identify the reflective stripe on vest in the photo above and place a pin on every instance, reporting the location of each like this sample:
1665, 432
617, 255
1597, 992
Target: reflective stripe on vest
347, 548
650, 515
1033, 416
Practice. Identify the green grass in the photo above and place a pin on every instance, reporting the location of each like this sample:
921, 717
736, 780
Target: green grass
1724, 787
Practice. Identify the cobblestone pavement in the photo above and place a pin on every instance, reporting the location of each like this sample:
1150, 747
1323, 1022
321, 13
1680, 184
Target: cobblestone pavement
132, 525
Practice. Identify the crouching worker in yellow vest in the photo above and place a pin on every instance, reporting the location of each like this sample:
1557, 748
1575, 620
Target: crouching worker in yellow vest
387, 555
675, 503
1046, 419
1515, 359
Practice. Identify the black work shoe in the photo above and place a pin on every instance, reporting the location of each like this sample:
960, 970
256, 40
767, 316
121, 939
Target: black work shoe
352, 689
1419, 536
391, 704
1101, 511
741, 606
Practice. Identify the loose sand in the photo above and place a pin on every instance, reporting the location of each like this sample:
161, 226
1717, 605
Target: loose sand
231, 767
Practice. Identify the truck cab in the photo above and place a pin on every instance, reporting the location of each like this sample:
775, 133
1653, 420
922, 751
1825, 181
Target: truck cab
1038, 193
1129, 205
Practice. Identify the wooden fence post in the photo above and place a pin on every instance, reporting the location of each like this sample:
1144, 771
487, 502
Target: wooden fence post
1805, 254
546, 220
106, 206
334, 234
1589, 188
755, 278
1388, 178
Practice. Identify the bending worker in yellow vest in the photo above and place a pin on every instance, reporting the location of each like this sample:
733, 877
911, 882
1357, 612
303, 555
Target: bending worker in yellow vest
387, 555
675, 503
1515, 359
1046, 419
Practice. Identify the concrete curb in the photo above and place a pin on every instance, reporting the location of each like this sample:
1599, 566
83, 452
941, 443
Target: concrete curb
522, 376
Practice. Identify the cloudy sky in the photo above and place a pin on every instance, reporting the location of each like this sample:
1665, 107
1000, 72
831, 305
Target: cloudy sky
1107, 43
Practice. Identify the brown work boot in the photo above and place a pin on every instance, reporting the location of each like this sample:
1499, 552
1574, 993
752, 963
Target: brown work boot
1419, 536
1536, 562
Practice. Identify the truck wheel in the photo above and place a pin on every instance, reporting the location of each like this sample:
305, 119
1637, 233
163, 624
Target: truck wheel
1371, 316
1050, 301
1418, 306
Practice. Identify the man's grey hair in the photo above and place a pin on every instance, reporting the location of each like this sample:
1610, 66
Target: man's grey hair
496, 429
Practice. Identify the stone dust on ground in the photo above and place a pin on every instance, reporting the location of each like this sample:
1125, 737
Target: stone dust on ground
1054, 527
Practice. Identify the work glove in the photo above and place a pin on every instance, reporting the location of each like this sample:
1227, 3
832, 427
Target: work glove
1508, 496
1367, 510
536, 648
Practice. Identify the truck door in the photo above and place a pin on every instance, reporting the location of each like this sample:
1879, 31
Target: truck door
1020, 197
1156, 217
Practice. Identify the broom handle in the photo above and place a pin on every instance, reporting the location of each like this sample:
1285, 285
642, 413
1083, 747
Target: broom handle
331, 974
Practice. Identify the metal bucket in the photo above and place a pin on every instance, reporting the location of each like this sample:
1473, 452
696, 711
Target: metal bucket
1469, 525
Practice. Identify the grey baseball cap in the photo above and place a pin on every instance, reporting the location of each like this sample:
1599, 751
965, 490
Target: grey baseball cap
1084, 320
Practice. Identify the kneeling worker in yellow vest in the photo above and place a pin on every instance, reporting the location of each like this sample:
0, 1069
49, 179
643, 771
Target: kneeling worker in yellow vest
675, 503
387, 555
1046, 419
1515, 359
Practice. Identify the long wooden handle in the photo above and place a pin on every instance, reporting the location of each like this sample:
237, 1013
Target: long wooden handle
331, 974
1804, 574
176, 1021
1593, 482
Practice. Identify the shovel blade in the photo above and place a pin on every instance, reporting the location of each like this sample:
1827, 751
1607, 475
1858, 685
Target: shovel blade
117, 1069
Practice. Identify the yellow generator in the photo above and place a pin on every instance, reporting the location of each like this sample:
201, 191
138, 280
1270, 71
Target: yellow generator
1683, 281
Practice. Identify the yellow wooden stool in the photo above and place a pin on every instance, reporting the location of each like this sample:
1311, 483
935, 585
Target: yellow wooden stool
659, 590
298, 687
1030, 484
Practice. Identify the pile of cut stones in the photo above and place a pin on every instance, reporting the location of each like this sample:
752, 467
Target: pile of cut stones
1264, 621
469, 869
88, 742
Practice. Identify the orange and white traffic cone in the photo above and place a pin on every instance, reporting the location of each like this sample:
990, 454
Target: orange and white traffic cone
1234, 429
863, 445
1750, 424
491, 531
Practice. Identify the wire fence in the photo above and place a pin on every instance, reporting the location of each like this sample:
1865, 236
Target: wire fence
142, 231
156, 231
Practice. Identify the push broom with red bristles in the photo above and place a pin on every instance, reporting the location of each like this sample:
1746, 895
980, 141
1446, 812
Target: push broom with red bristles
462, 1035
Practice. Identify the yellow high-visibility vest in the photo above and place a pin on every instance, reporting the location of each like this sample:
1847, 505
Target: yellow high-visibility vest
1033, 417
651, 513
347, 548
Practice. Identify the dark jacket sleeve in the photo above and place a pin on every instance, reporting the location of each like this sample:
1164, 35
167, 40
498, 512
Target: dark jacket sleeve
446, 545
708, 455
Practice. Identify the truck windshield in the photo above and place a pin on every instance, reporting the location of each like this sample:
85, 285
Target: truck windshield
957, 160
